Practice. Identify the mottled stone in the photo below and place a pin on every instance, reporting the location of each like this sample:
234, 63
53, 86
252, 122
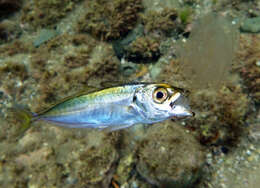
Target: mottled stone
9, 30
44, 36
251, 25
124, 168
169, 156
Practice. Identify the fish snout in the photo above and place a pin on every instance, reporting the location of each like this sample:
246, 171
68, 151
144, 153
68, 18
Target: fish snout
180, 106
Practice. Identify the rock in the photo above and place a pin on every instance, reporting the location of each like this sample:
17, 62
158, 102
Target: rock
120, 45
128, 68
124, 168
110, 20
9, 30
170, 157
143, 50
92, 164
36, 157
251, 25
44, 36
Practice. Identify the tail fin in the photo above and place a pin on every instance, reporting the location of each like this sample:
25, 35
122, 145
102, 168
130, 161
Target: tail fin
23, 118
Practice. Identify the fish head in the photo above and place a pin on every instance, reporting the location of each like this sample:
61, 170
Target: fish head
163, 101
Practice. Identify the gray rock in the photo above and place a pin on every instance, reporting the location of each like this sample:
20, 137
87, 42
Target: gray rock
251, 25
170, 157
128, 68
44, 36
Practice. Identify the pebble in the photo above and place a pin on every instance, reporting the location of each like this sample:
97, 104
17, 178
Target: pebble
258, 63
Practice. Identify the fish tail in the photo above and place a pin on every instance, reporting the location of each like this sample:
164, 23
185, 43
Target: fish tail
23, 118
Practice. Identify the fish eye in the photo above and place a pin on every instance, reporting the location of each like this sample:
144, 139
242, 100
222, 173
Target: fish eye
160, 95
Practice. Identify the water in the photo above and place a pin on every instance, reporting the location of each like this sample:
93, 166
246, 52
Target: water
204, 53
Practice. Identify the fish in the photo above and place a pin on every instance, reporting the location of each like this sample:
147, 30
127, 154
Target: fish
115, 107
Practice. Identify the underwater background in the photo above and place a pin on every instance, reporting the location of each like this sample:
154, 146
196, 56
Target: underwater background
52, 49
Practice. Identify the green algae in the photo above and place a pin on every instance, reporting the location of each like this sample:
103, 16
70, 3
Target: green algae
185, 15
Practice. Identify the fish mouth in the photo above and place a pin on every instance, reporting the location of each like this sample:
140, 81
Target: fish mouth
182, 111
180, 106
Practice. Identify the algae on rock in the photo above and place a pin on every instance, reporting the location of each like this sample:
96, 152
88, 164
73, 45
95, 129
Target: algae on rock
169, 156
109, 20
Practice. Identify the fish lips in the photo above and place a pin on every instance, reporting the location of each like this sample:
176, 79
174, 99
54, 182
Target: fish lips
182, 111
180, 106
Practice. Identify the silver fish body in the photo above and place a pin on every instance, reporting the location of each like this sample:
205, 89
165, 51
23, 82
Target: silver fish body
119, 107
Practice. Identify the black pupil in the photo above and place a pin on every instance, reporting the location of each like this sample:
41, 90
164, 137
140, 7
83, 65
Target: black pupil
159, 95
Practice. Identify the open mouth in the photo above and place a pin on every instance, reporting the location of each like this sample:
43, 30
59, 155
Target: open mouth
180, 106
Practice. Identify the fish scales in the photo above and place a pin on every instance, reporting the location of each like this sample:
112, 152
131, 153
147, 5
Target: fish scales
118, 107
80, 102
92, 108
